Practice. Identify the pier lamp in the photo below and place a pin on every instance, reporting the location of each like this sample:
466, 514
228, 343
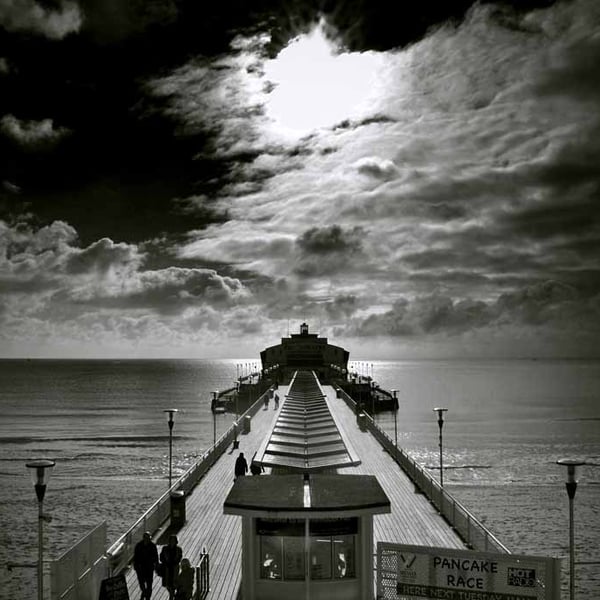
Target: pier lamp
571, 485
440, 412
171, 412
236, 443
216, 410
40, 471
395, 392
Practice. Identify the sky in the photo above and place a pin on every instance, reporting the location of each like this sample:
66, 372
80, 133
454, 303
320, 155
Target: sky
187, 179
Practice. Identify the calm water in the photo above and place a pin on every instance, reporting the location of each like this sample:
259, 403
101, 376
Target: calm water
102, 421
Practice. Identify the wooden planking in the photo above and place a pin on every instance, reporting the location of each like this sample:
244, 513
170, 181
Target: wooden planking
413, 519
207, 526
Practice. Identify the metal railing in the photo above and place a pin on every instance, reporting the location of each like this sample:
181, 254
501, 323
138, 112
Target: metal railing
120, 552
470, 529
202, 576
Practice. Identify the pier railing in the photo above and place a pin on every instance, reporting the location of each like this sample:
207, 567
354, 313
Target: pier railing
202, 577
471, 530
120, 554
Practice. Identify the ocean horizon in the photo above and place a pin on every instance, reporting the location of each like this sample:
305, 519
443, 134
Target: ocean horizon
102, 420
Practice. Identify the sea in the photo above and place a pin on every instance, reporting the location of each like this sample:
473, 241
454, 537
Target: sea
103, 422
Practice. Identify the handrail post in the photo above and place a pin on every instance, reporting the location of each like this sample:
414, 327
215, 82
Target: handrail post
469, 530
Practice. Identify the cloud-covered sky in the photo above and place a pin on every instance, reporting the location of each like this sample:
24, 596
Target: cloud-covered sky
183, 179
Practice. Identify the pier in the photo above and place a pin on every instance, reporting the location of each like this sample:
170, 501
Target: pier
416, 500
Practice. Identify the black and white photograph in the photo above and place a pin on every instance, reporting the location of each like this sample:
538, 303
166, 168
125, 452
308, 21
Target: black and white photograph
299, 299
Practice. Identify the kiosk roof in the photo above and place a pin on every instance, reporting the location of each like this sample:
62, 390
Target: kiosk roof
326, 493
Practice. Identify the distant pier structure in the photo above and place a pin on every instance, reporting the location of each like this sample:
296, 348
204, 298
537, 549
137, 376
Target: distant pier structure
305, 350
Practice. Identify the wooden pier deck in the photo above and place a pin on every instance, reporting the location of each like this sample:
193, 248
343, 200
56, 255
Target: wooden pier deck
413, 519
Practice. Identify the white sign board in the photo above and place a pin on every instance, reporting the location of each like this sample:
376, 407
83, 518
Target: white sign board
416, 572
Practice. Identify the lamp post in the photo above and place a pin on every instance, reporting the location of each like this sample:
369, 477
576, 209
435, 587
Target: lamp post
571, 485
440, 412
216, 410
213, 408
236, 443
171, 412
395, 392
40, 474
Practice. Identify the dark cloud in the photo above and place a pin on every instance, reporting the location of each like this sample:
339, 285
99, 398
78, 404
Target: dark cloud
353, 124
341, 307
325, 240
111, 21
566, 219
576, 74
29, 16
536, 305
546, 303
329, 250
381, 25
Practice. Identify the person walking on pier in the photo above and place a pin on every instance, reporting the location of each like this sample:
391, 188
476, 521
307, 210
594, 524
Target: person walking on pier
170, 557
241, 466
185, 581
145, 559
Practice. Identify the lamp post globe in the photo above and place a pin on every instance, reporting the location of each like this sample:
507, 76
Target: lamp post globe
571, 485
40, 471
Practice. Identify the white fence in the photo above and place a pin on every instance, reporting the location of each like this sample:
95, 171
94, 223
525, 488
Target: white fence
76, 574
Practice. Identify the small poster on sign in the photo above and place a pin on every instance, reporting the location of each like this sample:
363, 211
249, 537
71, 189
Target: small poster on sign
114, 588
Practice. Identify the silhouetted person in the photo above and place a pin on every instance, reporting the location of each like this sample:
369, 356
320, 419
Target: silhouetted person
241, 466
185, 581
145, 559
255, 468
170, 557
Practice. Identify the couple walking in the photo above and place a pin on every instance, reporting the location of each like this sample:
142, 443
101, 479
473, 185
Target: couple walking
176, 572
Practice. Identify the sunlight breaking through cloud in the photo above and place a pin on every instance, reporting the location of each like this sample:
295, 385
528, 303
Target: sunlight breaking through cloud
317, 86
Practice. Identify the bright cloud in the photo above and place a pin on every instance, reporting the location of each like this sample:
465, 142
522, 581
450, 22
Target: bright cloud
32, 134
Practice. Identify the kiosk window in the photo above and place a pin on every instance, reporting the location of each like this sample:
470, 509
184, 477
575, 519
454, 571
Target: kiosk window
270, 552
273, 549
293, 552
332, 549
320, 558
343, 556
332, 557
